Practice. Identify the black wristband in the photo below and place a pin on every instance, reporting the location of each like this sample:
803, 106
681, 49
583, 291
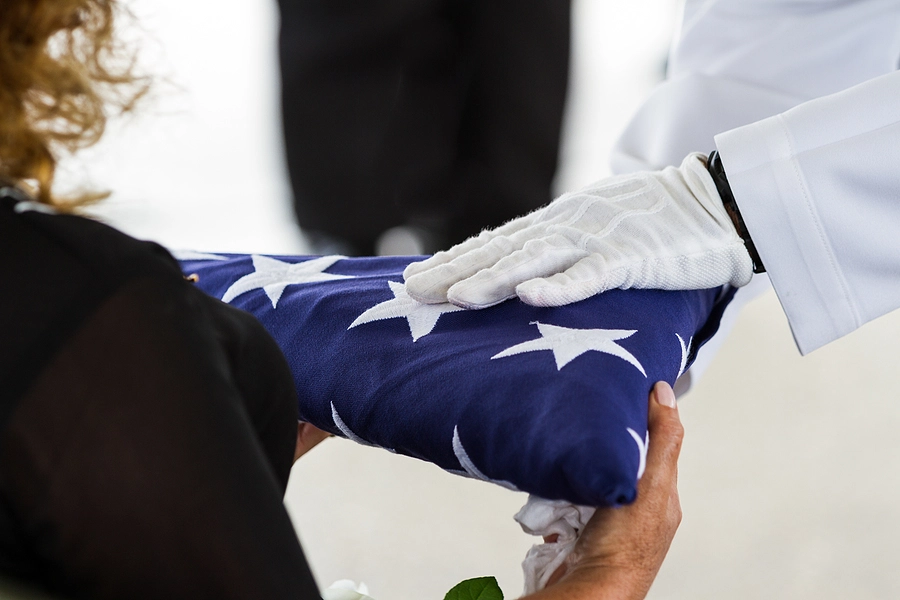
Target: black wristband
717, 171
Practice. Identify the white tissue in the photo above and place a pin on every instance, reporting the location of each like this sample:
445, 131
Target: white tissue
547, 517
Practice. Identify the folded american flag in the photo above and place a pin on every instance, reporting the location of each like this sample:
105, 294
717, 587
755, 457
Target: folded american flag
552, 401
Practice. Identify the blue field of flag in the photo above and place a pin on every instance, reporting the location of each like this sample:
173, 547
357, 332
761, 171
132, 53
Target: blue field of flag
551, 401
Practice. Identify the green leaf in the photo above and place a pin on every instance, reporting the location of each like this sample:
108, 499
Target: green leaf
480, 588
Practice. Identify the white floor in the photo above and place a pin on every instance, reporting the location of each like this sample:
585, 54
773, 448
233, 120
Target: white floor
789, 472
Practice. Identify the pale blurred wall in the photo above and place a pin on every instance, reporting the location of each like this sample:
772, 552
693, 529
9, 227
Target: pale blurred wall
788, 475
199, 166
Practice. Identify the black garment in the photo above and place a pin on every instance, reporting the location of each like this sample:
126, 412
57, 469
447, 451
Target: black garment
440, 113
146, 430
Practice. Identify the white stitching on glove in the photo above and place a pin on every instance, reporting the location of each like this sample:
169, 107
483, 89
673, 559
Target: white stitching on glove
660, 229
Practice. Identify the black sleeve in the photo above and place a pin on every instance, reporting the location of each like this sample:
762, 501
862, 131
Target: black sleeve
136, 467
261, 374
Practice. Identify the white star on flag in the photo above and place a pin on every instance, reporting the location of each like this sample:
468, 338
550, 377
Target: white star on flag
421, 317
568, 344
348, 433
642, 445
273, 276
685, 352
470, 470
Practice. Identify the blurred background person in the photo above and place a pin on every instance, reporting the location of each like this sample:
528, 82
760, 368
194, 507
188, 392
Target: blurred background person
412, 124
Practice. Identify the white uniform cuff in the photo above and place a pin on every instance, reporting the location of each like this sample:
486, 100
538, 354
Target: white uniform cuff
772, 194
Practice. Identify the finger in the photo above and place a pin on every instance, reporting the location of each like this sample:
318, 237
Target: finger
308, 436
431, 287
473, 243
666, 434
587, 277
445, 256
536, 258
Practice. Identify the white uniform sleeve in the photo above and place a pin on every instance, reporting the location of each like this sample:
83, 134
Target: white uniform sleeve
819, 189
735, 62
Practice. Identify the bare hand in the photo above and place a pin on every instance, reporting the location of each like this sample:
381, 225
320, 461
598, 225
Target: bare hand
308, 436
621, 549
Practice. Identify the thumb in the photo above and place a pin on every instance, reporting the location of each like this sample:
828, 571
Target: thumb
666, 433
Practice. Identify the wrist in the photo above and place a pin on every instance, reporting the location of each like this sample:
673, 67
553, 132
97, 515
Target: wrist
599, 582
717, 172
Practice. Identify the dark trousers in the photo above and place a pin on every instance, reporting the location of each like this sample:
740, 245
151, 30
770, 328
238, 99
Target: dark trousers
444, 114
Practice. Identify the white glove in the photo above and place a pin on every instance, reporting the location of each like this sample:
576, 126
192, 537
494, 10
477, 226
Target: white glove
662, 229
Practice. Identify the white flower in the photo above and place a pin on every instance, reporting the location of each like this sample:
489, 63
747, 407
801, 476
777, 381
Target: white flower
346, 590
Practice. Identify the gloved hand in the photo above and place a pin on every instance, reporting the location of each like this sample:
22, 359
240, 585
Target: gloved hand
662, 229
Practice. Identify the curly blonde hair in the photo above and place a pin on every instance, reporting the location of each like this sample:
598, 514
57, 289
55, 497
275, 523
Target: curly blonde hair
63, 73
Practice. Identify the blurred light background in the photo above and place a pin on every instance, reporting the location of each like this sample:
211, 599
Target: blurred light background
789, 471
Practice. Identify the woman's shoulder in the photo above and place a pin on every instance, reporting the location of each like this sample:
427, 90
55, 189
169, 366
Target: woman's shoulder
57, 241
57, 269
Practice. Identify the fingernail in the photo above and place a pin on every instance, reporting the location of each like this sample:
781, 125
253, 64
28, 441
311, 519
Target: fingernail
664, 394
